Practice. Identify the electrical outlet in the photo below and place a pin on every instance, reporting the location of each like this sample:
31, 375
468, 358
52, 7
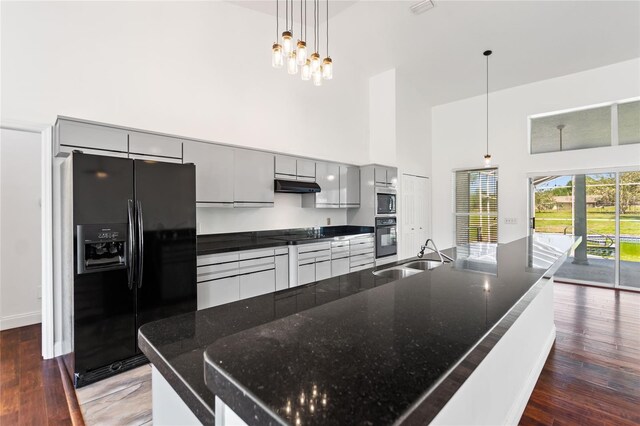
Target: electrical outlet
510, 221
328, 221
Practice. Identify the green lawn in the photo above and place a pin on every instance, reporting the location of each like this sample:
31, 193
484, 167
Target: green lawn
599, 221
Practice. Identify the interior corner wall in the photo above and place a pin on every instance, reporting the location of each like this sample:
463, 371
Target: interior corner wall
382, 118
20, 224
458, 141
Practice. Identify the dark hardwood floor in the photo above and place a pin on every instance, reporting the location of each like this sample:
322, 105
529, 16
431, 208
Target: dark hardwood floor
31, 389
592, 375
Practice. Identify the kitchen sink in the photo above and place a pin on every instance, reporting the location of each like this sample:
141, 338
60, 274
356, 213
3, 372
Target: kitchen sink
407, 269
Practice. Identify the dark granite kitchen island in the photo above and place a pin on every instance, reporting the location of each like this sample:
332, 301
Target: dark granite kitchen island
359, 348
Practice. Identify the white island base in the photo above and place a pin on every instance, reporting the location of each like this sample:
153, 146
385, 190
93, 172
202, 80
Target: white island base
495, 393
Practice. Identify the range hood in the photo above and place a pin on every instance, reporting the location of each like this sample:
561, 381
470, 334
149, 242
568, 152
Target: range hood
296, 186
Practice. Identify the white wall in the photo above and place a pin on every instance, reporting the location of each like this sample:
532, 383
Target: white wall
20, 224
458, 140
286, 214
382, 118
197, 69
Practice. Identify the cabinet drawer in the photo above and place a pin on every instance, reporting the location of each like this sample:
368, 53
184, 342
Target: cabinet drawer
210, 259
361, 249
314, 254
91, 136
254, 254
218, 292
258, 283
361, 259
314, 247
361, 267
217, 271
256, 265
156, 145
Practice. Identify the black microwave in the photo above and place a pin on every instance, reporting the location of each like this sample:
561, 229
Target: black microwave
385, 202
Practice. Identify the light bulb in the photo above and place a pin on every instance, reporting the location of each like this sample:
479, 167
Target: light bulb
315, 61
277, 59
301, 52
292, 65
487, 160
317, 77
327, 68
306, 70
287, 42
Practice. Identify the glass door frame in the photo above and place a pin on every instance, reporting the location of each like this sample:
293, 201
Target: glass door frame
531, 209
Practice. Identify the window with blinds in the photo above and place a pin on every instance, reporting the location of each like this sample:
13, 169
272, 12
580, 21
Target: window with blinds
476, 206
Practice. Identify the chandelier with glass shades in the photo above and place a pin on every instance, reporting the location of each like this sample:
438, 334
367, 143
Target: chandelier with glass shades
295, 56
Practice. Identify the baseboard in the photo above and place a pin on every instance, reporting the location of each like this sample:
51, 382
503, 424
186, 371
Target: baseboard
20, 320
519, 405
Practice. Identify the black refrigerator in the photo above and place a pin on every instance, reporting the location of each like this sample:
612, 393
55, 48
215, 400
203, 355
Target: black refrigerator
134, 225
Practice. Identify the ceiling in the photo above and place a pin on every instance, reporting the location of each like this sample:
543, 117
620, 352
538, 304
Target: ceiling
440, 51
269, 7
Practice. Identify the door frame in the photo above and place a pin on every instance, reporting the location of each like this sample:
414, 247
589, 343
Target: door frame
603, 170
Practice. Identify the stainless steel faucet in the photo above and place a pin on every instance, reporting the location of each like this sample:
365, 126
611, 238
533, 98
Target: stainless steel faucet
434, 249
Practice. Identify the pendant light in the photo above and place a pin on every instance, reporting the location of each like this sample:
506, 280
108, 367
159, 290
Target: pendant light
487, 156
287, 36
277, 59
301, 47
296, 56
327, 63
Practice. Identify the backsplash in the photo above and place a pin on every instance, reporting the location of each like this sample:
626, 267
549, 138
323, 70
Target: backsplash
287, 213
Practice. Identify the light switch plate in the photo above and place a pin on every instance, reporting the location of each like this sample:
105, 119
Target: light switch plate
510, 221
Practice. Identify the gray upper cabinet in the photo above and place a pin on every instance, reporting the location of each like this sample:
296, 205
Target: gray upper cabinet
328, 177
306, 170
292, 168
392, 176
214, 172
349, 186
285, 167
154, 145
78, 135
253, 178
385, 176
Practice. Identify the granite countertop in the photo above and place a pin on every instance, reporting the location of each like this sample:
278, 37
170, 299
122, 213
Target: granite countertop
370, 358
238, 241
372, 345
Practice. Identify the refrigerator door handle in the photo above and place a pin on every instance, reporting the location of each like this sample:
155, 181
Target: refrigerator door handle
130, 242
140, 244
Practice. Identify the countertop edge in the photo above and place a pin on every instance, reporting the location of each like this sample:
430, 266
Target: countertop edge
191, 399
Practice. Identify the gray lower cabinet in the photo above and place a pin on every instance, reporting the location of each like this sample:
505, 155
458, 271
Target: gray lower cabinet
253, 178
154, 145
340, 266
257, 283
218, 292
214, 173
282, 269
306, 272
70, 135
323, 269
229, 277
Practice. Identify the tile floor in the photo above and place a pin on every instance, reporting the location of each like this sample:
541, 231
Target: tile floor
124, 399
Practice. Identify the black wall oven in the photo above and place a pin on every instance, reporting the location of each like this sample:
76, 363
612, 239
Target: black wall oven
386, 237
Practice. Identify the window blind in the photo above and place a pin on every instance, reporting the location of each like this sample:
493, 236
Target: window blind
476, 206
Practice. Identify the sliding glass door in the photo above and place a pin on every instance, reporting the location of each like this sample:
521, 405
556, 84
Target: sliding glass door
629, 234
602, 208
